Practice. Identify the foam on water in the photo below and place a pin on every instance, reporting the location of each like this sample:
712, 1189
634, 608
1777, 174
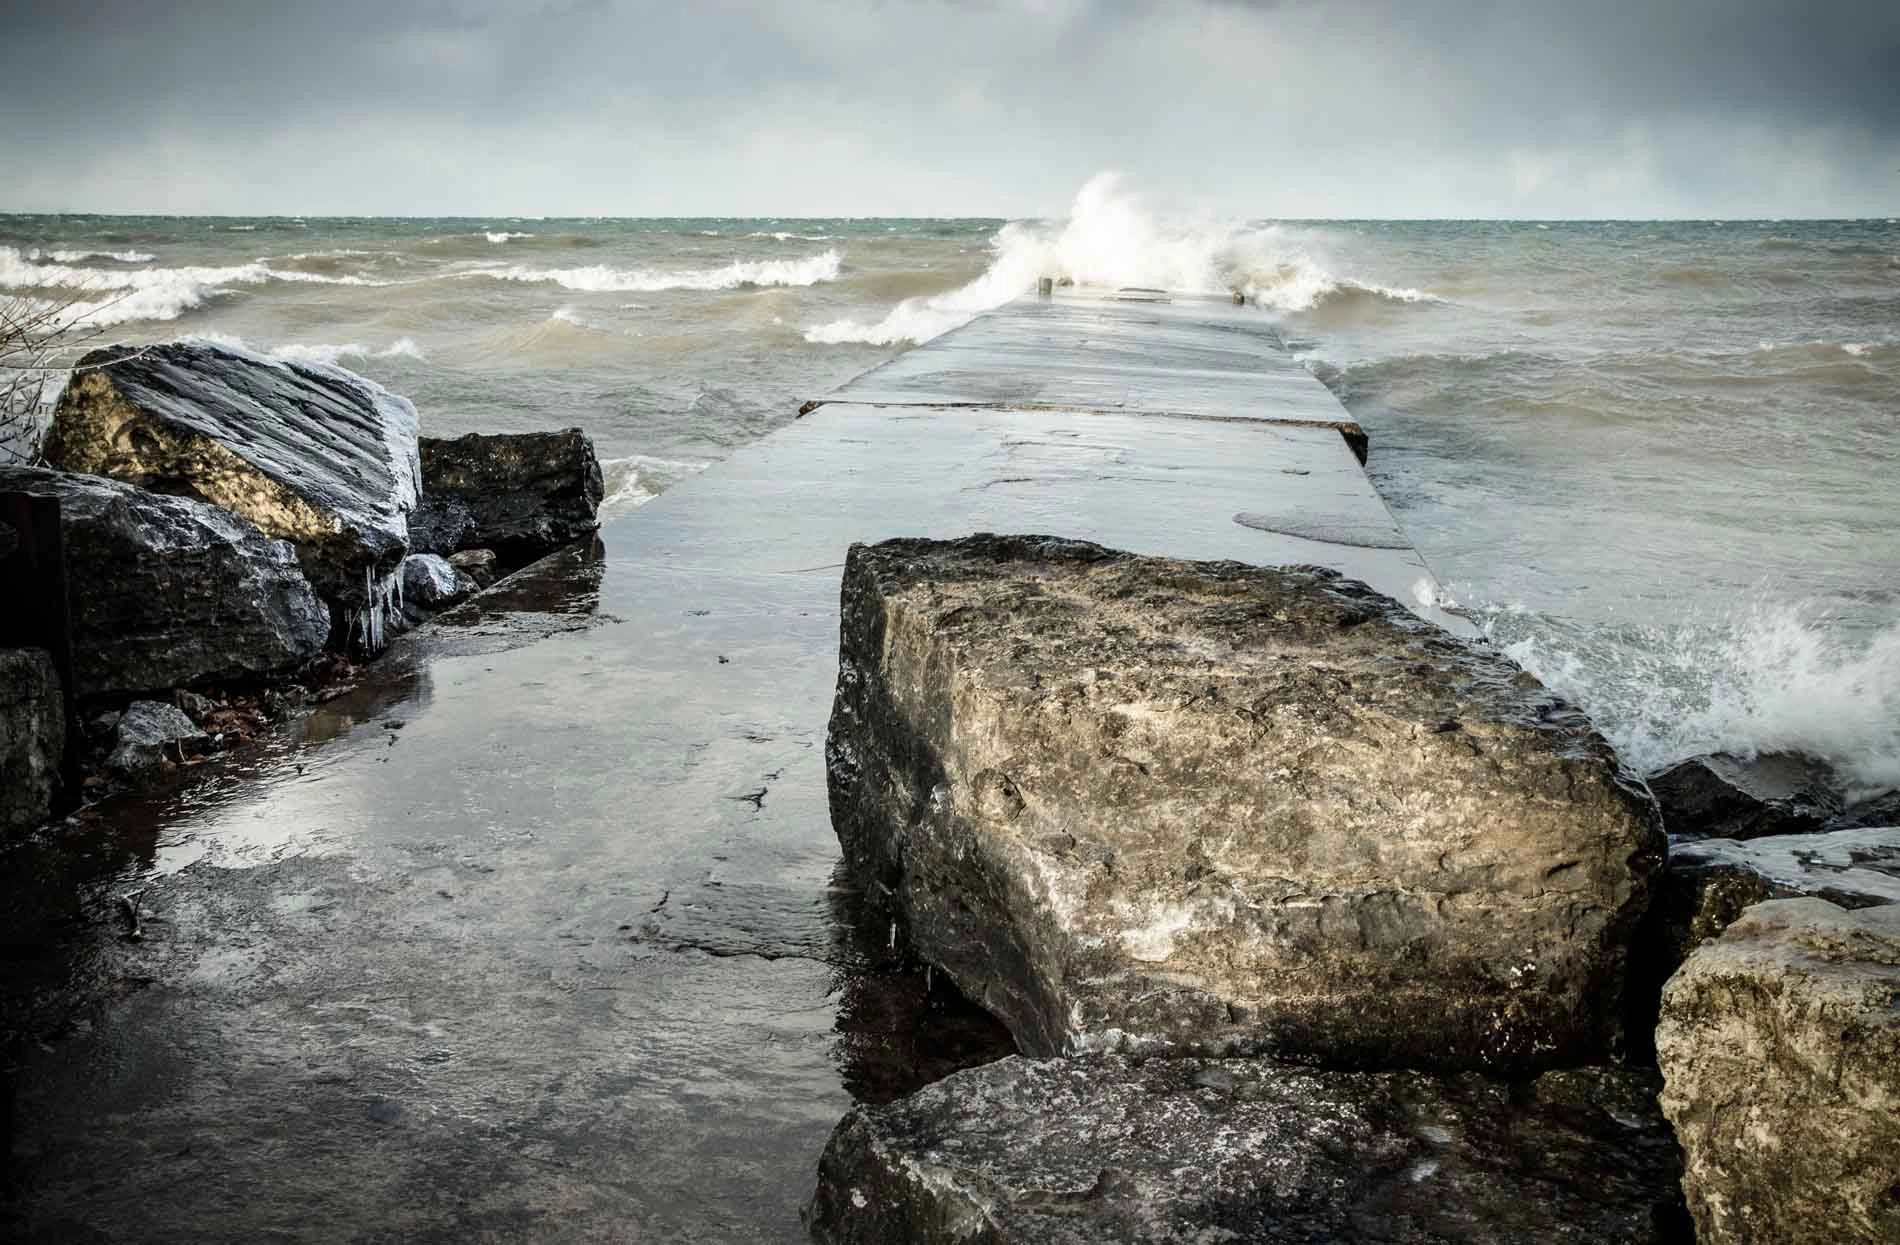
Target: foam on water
635, 480
1768, 676
80, 257
599, 278
101, 297
1112, 239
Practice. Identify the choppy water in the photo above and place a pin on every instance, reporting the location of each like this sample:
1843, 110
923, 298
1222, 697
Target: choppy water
1656, 458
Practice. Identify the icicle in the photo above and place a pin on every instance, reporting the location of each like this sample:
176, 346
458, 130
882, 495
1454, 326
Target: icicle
893, 935
381, 600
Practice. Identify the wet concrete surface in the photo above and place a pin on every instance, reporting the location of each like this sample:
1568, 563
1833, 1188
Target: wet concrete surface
536, 935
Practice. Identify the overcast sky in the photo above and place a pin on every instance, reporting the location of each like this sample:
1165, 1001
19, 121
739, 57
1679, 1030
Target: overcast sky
1547, 108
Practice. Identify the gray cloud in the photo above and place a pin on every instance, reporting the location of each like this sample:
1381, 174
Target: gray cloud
819, 107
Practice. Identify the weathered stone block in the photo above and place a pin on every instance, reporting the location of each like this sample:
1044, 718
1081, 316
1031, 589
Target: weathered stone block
1780, 1048
522, 495
167, 592
308, 453
1073, 1152
1206, 807
32, 737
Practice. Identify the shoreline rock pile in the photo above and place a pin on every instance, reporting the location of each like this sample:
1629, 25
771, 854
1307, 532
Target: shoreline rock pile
1284, 894
232, 521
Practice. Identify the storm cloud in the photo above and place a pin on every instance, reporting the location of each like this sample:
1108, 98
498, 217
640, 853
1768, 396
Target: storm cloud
1336, 108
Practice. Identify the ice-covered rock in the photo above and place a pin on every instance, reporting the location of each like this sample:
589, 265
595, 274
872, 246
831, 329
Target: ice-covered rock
1073, 1152
1211, 808
521, 495
308, 453
32, 736
1780, 1049
166, 592
430, 585
149, 733
1727, 797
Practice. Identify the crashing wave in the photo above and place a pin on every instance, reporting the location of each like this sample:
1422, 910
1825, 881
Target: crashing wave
1769, 677
1112, 240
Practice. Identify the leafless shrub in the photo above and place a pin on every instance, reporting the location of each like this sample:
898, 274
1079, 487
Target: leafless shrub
41, 339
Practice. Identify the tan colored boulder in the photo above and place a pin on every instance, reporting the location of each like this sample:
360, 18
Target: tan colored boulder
1780, 1048
1200, 807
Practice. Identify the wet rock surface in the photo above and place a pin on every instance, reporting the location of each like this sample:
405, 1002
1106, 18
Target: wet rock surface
150, 733
1709, 883
1206, 807
167, 592
1727, 797
32, 737
1780, 1045
308, 453
1111, 1149
520, 495
430, 584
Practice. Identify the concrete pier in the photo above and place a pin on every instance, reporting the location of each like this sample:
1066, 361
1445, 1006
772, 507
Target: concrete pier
536, 936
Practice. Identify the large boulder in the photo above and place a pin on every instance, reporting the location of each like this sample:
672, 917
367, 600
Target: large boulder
166, 592
1111, 1149
308, 453
1780, 1049
1729, 797
522, 495
1203, 807
32, 737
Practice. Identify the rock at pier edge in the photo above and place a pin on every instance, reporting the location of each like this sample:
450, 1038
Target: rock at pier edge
311, 454
1108, 1148
521, 495
169, 592
1780, 1045
1208, 808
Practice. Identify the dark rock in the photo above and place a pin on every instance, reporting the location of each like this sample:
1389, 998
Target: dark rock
522, 496
167, 592
430, 584
1142, 804
477, 564
32, 737
1726, 797
152, 732
1780, 1047
311, 454
1879, 810
1110, 1149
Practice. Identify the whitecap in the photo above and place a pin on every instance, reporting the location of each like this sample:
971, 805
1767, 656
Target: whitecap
599, 278
505, 236
80, 257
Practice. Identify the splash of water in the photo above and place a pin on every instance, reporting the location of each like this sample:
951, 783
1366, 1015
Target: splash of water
1770, 676
1114, 238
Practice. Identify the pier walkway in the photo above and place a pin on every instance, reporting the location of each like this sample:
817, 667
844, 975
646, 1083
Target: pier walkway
536, 935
